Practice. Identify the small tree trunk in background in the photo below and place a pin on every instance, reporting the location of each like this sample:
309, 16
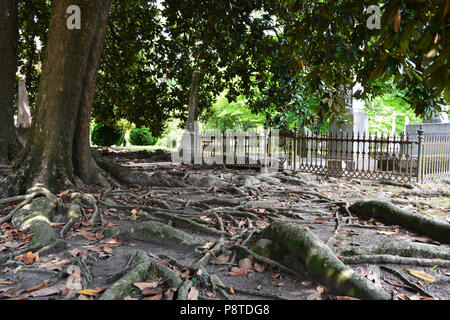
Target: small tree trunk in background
9, 33
192, 114
63, 99
84, 165
193, 101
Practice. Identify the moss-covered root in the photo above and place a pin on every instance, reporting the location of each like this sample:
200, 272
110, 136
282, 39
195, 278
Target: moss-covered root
36, 216
121, 287
172, 278
321, 262
184, 290
155, 231
400, 248
386, 212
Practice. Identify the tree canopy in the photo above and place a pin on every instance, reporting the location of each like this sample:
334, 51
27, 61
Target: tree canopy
333, 43
284, 58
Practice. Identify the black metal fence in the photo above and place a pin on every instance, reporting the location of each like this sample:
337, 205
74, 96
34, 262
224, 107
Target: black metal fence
361, 156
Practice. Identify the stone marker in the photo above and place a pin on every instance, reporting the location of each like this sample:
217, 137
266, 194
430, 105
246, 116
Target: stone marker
24, 114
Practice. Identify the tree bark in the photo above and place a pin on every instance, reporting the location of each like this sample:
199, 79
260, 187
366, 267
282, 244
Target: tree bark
84, 165
57, 137
9, 33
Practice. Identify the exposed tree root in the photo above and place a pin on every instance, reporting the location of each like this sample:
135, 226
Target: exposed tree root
401, 248
184, 290
185, 222
36, 214
156, 231
408, 283
388, 213
213, 252
267, 260
74, 215
391, 259
321, 263
122, 287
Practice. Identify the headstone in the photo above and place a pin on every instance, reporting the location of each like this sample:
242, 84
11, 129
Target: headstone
193, 101
23, 113
189, 141
359, 124
394, 124
406, 124
438, 117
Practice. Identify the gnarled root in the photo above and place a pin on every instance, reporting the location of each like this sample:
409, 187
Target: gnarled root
321, 262
35, 214
123, 286
386, 212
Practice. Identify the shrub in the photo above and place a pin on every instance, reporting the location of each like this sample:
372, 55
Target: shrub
142, 137
105, 136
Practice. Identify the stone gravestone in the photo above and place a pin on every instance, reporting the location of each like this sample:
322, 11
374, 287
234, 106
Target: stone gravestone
23, 111
358, 124
191, 138
438, 117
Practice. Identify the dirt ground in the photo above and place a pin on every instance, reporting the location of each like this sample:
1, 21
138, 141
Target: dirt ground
240, 201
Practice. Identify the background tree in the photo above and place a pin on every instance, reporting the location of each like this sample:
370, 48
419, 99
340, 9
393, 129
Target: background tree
332, 40
57, 148
9, 144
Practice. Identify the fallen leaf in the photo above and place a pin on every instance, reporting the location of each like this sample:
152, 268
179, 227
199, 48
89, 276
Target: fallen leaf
317, 295
403, 296
261, 223
99, 235
258, 267
57, 224
49, 291
74, 252
87, 235
421, 275
63, 193
146, 285
28, 258
193, 294
113, 241
222, 259
151, 291
36, 287
387, 233
345, 298
155, 297
393, 282
4, 282
88, 292
236, 272
210, 294
245, 263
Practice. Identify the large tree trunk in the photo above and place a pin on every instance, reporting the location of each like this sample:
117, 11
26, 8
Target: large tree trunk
9, 33
64, 100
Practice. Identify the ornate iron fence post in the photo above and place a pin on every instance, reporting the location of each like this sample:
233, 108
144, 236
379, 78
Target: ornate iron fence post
420, 156
295, 148
266, 134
